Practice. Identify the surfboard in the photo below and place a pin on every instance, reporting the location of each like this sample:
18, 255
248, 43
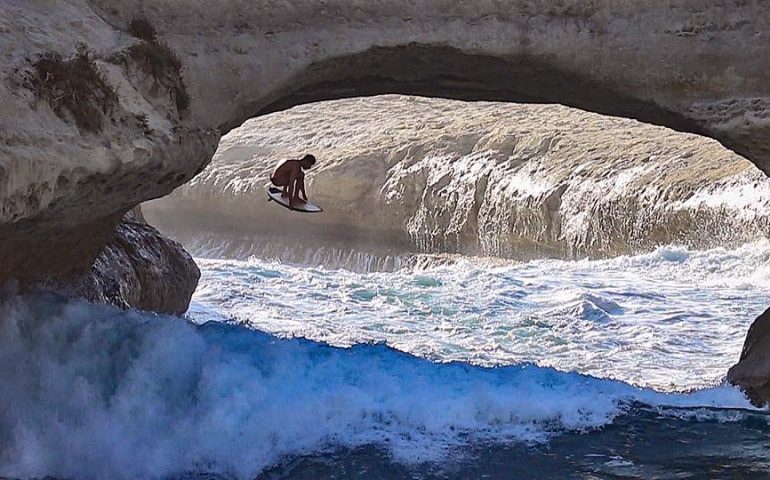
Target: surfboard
274, 194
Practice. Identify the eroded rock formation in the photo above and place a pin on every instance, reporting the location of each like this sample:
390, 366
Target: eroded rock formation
88, 129
752, 372
692, 65
480, 178
138, 268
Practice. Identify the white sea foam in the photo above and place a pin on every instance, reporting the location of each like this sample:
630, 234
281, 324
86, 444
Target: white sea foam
673, 319
91, 392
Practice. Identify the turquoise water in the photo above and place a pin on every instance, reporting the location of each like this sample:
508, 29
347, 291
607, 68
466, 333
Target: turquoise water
672, 319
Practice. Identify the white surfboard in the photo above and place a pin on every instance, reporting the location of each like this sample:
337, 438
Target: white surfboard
274, 194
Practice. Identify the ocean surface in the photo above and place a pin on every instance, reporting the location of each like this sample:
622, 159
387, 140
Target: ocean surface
439, 367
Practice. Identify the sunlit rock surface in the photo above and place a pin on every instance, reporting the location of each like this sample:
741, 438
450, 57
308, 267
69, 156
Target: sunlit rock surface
694, 65
482, 178
83, 138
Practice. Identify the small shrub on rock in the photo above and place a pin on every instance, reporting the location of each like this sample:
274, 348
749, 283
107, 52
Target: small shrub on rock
142, 29
156, 59
159, 61
74, 87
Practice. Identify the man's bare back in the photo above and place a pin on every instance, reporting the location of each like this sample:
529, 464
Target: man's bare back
289, 174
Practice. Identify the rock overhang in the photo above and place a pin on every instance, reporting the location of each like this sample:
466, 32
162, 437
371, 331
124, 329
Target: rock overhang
692, 65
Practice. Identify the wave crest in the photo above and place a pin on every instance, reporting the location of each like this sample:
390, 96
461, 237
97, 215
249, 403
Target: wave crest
90, 391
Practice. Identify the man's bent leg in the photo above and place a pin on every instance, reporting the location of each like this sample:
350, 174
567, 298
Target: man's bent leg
295, 192
279, 183
300, 188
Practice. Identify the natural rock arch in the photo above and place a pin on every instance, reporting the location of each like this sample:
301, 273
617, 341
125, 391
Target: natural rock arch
445, 72
693, 65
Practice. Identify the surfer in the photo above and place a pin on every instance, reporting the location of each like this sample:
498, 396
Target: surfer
290, 176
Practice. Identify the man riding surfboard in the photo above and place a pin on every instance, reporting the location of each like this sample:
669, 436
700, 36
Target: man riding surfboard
290, 176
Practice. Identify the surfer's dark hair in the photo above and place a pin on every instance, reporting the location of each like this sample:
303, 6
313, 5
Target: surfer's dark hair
309, 158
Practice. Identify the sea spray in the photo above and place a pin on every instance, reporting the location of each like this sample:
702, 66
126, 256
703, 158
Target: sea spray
94, 392
641, 319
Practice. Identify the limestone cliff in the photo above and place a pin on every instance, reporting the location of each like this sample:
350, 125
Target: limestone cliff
497, 179
90, 125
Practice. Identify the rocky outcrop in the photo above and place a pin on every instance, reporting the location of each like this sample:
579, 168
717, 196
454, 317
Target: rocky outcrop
481, 178
91, 125
692, 65
138, 268
752, 372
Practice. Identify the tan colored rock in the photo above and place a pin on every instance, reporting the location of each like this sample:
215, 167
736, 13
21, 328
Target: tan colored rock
482, 178
71, 162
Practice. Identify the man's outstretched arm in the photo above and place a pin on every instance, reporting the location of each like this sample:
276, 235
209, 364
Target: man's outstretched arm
301, 184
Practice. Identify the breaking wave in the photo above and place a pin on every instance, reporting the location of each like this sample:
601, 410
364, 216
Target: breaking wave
93, 392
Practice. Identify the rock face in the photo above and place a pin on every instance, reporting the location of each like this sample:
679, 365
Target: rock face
83, 139
692, 65
752, 372
139, 268
74, 159
481, 178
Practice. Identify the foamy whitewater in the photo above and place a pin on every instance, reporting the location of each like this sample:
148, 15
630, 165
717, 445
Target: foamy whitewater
673, 319
542, 351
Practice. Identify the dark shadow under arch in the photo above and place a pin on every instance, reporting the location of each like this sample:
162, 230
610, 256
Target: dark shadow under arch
450, 73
